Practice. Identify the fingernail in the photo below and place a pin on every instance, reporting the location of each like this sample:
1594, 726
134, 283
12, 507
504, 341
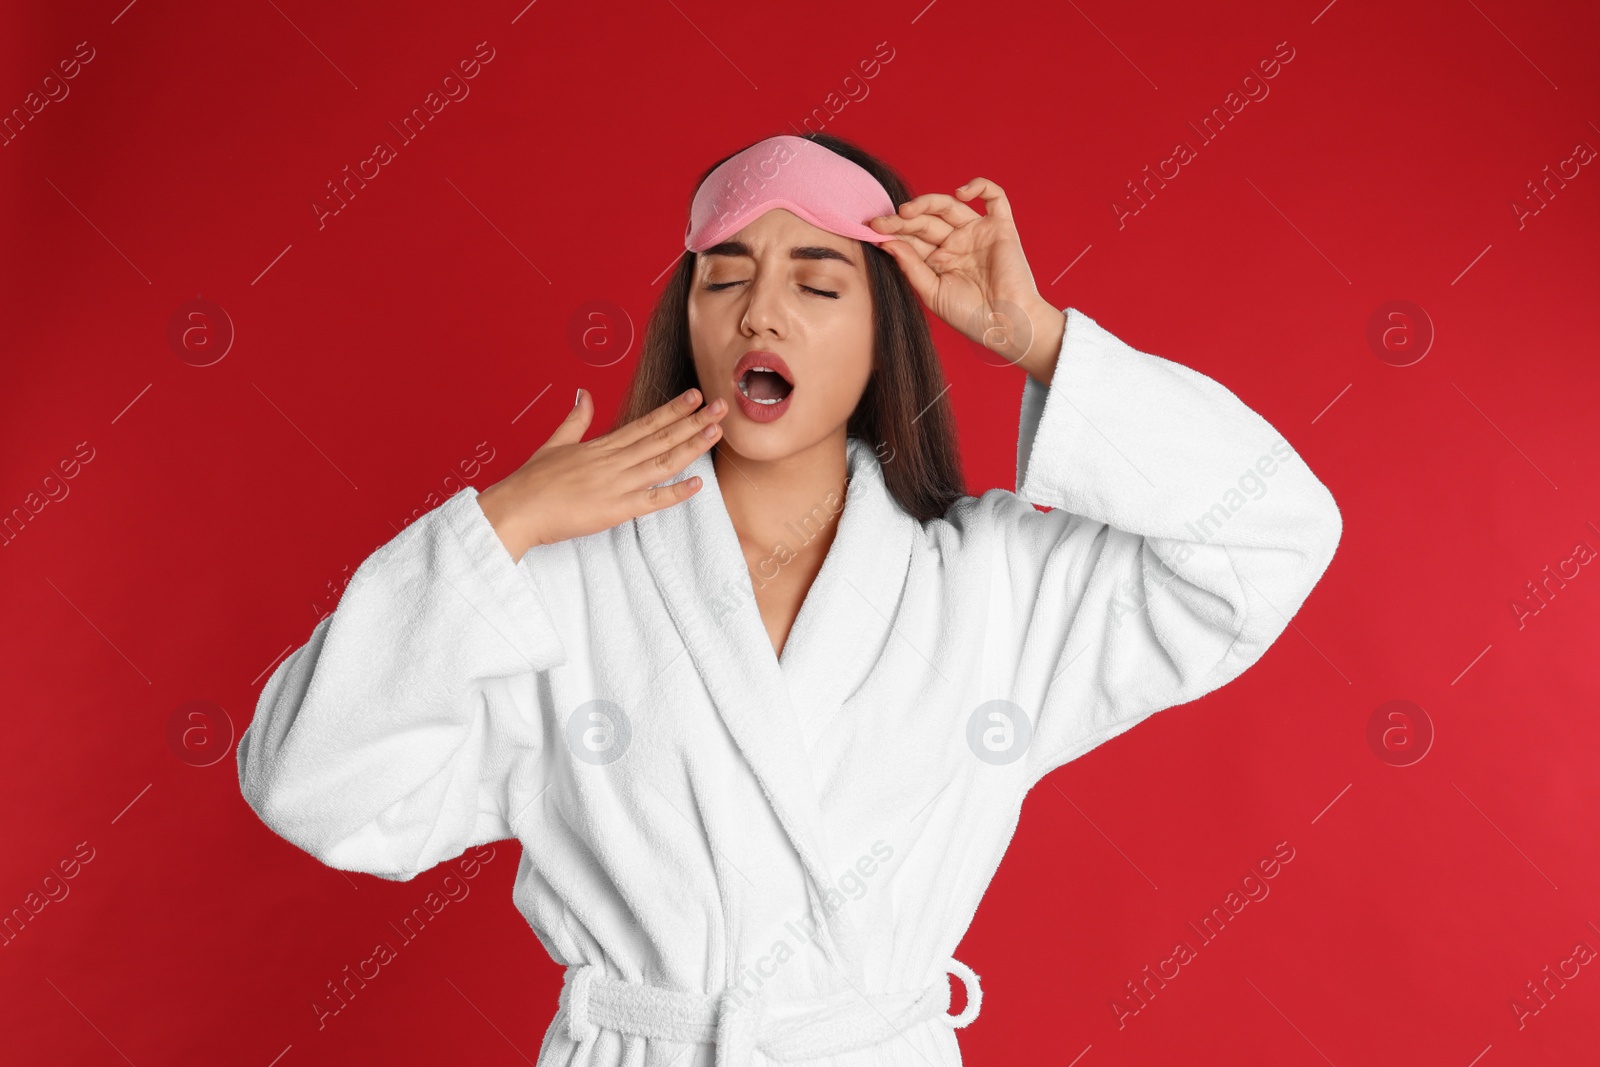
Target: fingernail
579, 399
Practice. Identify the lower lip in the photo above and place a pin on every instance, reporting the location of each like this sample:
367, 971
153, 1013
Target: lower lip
761, 412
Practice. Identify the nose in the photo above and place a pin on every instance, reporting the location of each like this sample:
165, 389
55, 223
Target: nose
766, 309
768, 304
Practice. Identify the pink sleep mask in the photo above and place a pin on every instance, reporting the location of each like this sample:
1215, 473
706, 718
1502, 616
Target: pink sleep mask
815, 183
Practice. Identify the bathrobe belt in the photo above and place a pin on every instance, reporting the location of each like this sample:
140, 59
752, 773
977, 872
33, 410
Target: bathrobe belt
739, 1024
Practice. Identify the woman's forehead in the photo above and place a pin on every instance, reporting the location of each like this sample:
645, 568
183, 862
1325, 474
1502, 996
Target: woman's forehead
779, 227
780, 232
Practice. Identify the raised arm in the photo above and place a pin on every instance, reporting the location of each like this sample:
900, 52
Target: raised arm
411, 726
408, 728
1186, 534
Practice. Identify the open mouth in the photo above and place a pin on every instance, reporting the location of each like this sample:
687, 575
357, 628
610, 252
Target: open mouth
764, 385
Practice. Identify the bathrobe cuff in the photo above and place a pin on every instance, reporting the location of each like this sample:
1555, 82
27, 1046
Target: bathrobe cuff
511, 582
1048, 412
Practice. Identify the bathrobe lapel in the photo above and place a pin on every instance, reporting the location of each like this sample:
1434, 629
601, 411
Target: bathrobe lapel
694, 554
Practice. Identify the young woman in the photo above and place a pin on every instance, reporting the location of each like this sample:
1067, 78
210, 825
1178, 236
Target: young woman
757, 686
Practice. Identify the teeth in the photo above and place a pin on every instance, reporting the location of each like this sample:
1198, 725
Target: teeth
754, 399
744, 388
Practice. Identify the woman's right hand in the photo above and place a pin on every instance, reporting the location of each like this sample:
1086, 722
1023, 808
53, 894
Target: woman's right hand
571, 487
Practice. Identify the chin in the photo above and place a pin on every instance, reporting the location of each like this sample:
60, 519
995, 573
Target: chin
761, 443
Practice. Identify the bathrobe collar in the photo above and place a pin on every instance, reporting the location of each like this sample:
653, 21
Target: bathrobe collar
842, 628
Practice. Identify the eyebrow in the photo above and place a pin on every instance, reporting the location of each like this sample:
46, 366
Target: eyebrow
739, 248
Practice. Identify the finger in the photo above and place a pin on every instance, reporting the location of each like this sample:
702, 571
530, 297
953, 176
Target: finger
922, 248
942, 205
924, 282
645, 425
669, 464
939, 258
670, 449
572, 428
644, 501
994, 197
928, 229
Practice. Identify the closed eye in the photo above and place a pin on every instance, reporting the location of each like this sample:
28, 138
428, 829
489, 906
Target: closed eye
717, 287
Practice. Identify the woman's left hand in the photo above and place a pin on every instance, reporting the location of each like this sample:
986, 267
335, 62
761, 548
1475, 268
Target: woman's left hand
968, 268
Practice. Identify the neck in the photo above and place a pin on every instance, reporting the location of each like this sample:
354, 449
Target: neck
784, 509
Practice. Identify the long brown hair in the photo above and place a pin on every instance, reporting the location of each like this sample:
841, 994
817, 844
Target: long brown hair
904, 413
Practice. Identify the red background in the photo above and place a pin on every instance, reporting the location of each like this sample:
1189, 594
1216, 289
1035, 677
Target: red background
225, 504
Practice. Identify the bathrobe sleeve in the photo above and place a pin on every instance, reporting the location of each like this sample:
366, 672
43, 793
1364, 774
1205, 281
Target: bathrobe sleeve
406, 730
1185, 534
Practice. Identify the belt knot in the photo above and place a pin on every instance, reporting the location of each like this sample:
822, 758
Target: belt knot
741, 1024
739, 1021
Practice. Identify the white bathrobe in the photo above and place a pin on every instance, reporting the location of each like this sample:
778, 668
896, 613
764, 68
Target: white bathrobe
743, 858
